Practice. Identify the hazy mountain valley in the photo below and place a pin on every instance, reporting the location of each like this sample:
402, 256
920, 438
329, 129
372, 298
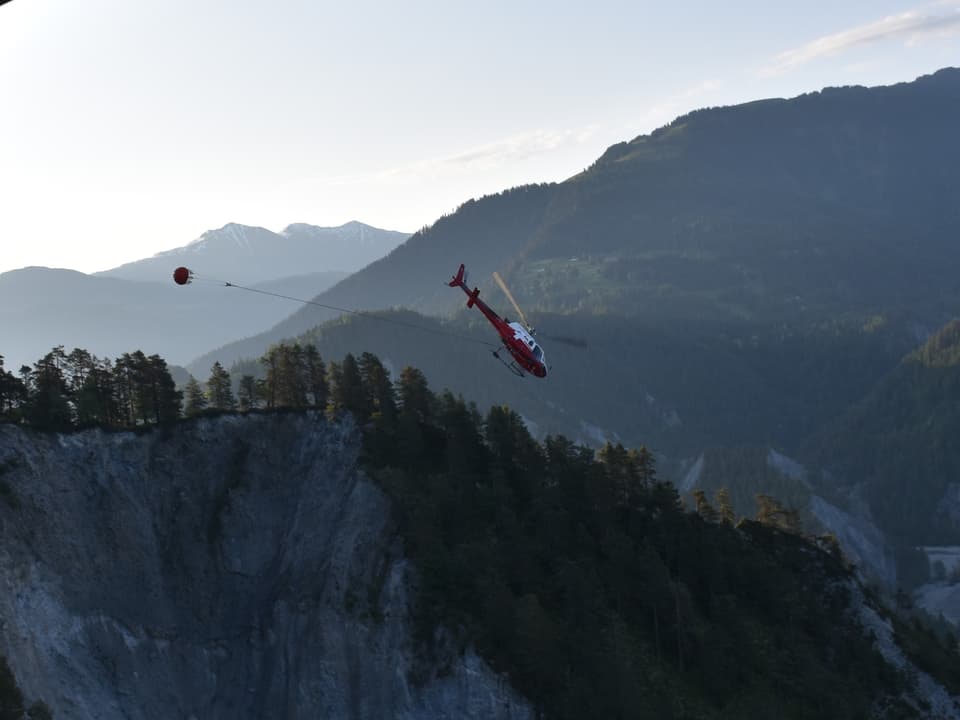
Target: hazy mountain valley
137, 306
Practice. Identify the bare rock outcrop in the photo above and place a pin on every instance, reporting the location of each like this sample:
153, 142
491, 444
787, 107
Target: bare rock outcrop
227, 568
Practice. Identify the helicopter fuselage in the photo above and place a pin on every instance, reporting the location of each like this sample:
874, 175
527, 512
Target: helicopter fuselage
521, 345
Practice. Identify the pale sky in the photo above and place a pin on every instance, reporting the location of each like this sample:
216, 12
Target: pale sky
128, 127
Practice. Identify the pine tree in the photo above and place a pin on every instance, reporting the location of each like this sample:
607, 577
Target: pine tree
704, 508
768, 509
568, 466
124, 384
771, 512
623, 470
727, 514
47, 405
316, 377
79, 365
515, 453
347, 392
165, 400
219, 389
292, 388
285, 376
97, 401
247, 392
416, 400
85, 379
377, 388
646, 466
196, 399
269, 386
13, 392
144, 391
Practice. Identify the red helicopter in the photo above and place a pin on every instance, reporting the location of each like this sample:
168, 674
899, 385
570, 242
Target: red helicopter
527, 355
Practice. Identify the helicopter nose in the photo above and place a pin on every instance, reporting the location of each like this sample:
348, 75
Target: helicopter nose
540, 371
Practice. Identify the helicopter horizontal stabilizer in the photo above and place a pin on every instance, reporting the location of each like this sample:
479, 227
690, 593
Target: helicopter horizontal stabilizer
473, 297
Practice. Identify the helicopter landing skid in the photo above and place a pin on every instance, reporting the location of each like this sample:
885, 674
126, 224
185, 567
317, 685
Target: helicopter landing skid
511, 366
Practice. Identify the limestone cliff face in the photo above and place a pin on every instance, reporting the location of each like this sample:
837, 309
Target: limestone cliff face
235, 567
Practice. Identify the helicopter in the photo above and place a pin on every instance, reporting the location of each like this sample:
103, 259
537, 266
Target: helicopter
526, 355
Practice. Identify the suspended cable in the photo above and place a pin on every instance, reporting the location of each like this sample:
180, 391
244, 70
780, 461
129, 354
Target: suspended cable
364, 313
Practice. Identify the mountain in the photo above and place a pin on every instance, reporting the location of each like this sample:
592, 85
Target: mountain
742, 277
244, 254
136, 306
897, 447
749, 271
831, 207
480, 233
883, 476
43, 307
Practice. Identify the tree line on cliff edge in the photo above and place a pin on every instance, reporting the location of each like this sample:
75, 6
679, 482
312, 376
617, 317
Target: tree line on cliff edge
64, 391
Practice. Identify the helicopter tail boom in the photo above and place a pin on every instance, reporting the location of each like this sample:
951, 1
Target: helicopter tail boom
460, 280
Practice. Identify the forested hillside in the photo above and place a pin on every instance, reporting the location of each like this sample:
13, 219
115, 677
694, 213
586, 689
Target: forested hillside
814, 214
584, 578
899, 444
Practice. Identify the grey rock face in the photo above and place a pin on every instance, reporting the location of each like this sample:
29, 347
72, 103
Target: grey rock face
861, 540
237, 567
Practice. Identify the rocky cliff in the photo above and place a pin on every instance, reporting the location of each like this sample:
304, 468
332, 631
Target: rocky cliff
233, 567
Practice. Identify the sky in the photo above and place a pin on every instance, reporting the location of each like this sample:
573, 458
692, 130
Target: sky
128, 128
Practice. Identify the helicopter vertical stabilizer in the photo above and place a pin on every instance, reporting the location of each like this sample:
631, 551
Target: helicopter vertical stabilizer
460, 278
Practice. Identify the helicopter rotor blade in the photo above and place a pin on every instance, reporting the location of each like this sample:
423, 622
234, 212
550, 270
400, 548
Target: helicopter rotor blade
567, 340
506, 291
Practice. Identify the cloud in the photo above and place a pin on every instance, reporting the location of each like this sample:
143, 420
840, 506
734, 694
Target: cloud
508, 150
667, 108
502, 153
911, 26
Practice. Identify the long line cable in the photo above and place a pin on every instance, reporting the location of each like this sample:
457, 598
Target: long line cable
364, 313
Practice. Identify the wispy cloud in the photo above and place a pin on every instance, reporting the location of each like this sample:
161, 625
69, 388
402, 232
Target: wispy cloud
505, 151
679, 102
501, 153
912, 26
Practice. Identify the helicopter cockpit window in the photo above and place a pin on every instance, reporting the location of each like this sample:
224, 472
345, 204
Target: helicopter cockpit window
538, 353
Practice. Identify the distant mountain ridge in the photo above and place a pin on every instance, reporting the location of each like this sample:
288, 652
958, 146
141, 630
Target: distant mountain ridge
242, 253
42, 307
137, 306
834, 206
